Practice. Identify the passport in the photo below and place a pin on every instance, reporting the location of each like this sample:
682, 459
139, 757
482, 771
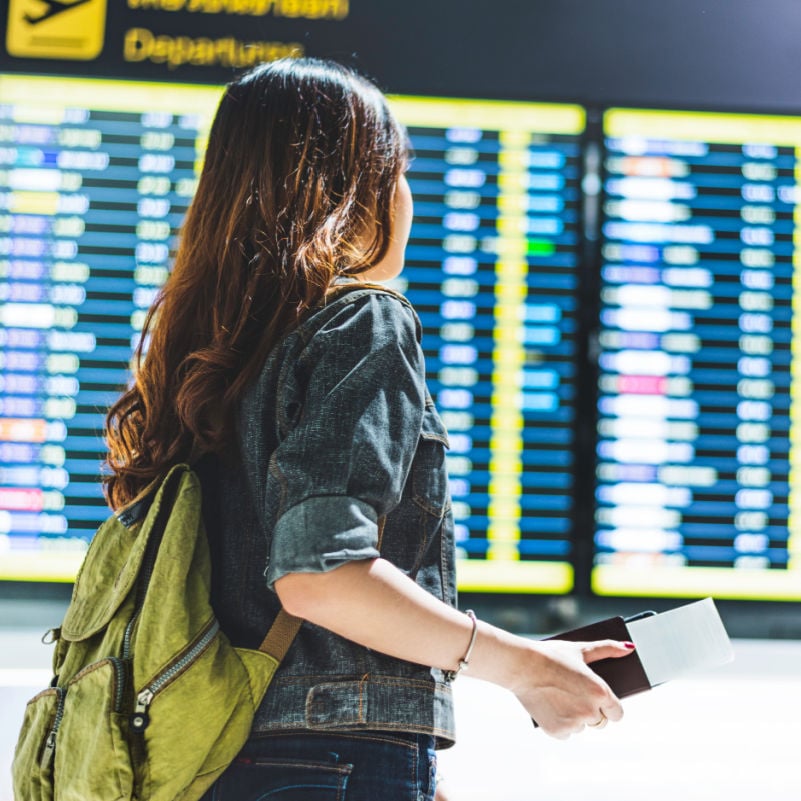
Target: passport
668, 645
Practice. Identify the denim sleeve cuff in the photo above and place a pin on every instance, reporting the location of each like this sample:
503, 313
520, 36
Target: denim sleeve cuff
322, 533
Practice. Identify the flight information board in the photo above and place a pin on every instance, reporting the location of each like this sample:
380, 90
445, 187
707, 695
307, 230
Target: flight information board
491, 268
95, 177
699, 432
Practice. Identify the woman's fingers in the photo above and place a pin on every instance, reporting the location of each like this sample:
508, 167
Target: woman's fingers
613, 712
605, 649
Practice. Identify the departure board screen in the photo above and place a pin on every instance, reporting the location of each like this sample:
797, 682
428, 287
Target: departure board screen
95, 177
491, 268
698, 432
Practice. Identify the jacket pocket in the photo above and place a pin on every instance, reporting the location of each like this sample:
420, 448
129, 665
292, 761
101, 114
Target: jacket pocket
429, 469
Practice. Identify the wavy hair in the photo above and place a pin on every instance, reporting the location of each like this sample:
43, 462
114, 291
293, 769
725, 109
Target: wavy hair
296, 189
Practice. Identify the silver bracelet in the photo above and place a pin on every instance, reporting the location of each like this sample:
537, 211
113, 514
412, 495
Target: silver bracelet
450, 675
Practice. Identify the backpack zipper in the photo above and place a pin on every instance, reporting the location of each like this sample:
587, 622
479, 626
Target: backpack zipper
140, 719
119, 681
50, 742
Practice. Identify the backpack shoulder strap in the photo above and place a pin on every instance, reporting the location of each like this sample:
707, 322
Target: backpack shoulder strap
281, 635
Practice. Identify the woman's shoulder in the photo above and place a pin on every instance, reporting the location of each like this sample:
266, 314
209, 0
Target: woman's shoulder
355, 306
352, 323
366, 325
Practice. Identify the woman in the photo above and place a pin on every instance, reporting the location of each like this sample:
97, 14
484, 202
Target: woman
274, 357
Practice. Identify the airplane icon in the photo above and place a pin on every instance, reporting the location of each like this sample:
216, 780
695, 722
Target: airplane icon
54, 7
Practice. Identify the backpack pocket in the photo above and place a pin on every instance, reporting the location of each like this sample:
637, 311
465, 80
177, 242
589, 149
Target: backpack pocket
195, 714
92, 759
32, 769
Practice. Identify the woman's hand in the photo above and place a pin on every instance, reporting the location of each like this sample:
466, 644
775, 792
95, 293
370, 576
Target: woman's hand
560, 691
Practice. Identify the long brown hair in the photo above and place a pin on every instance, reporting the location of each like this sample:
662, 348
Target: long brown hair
296, 189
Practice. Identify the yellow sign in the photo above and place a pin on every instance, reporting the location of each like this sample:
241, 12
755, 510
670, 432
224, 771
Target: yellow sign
69, 29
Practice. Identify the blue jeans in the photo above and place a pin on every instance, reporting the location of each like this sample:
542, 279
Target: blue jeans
369, 766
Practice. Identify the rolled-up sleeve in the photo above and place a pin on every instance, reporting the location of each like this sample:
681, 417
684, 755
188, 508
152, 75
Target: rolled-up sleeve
360, 383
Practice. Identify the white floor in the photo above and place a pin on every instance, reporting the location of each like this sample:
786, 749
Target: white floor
730, 735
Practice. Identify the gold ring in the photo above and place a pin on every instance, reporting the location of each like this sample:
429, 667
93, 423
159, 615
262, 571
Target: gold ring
600, 723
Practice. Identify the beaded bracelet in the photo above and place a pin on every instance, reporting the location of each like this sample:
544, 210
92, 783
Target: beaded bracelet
450, 675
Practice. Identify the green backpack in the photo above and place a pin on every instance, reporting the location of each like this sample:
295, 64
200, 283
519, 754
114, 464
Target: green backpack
149, 700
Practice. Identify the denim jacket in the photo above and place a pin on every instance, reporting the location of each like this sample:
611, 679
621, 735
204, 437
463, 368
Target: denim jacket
340, 457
